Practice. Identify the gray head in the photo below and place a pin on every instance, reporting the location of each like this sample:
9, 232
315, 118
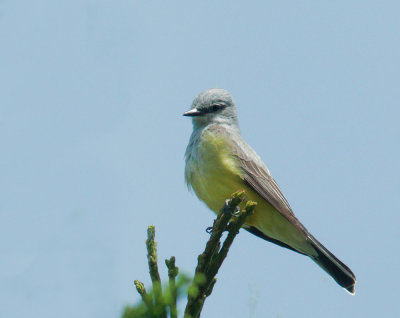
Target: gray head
214, 105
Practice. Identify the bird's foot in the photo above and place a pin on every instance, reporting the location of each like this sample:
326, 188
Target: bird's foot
209, 230
237, 210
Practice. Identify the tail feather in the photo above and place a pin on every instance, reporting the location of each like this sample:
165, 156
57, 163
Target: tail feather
323, 257
333, 266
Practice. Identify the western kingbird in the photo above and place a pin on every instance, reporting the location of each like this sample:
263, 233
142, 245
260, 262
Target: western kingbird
219, 162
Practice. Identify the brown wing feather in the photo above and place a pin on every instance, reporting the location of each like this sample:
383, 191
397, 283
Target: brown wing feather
257, 177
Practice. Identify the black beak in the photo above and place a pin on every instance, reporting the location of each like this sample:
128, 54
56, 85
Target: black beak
193, 112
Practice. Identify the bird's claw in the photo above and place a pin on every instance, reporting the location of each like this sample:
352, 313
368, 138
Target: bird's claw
237, 209
236, 212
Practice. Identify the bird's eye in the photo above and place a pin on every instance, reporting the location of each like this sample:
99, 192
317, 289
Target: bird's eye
214, 108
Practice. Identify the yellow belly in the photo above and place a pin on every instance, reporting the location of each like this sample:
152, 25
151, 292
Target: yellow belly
214, 174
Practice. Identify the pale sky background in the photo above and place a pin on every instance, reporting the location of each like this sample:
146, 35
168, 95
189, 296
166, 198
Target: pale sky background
92, 141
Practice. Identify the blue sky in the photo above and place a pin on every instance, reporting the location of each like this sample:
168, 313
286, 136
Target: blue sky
92, 141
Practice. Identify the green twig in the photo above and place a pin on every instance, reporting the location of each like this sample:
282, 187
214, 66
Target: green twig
151, 245
211, 259
234, 228
147, 298
172, 273
140, 288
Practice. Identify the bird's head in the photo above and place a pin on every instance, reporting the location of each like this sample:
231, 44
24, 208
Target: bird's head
214, 105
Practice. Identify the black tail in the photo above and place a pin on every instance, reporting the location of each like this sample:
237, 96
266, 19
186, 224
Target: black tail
333, 266
325, 259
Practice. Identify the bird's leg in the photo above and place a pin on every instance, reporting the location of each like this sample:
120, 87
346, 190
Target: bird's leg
227, 209
236, 212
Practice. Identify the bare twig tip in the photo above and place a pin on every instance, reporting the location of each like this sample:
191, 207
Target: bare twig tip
151, 230
237, 197
140, 287
250, 206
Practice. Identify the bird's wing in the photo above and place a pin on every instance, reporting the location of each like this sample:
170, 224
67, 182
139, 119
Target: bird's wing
257, 177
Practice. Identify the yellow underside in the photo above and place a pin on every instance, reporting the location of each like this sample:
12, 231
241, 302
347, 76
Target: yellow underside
214, 175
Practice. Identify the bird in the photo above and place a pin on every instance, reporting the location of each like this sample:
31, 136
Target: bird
219, 162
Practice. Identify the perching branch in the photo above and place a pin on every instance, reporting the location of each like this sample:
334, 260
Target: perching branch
210, 261
156, 303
